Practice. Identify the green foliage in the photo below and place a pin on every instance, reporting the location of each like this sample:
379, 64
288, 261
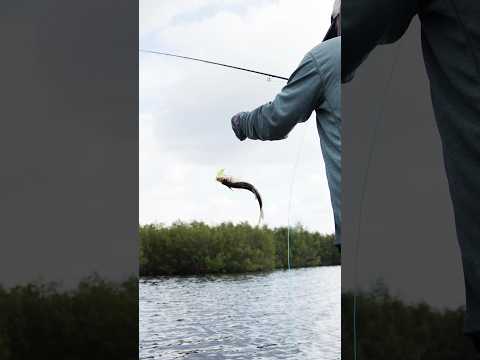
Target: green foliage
196, 248
94, 321
388, 328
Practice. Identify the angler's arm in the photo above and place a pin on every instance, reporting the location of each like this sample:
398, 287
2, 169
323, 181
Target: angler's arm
294, 104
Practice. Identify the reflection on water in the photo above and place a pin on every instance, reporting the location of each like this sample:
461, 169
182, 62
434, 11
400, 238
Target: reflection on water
280, 315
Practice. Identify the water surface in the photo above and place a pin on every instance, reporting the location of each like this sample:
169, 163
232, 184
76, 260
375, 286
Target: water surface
279, 315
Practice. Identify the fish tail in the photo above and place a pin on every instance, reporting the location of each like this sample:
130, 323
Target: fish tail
260, 218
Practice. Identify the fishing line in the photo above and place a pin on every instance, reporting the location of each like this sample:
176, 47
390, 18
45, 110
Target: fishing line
376, 126
294, 173
213, 63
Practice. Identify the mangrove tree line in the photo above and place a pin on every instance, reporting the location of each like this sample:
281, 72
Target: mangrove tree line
96, 320
197, 248
388, 328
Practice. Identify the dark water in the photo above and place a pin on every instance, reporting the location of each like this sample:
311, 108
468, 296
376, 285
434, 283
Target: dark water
280, 315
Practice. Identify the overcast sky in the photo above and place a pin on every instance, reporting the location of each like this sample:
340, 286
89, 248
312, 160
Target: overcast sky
185, 111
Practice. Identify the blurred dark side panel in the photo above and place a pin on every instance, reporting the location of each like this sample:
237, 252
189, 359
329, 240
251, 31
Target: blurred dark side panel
400, 258
69, 179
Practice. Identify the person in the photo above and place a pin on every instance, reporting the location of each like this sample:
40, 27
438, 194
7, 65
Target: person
313, 86
451, 50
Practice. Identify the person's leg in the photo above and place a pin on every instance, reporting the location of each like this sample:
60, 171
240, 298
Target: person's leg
451, 47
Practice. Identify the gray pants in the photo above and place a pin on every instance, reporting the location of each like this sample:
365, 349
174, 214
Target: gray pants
451, 49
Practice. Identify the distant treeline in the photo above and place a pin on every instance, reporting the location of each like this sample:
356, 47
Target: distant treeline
97, 320
196, 248
388, 328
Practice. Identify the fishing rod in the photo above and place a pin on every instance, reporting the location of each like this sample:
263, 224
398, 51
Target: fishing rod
268, 77
213, 63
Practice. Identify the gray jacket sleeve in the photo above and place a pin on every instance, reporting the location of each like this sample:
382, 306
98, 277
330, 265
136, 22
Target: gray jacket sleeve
295, 103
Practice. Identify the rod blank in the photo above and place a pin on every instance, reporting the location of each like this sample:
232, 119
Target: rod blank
213, 63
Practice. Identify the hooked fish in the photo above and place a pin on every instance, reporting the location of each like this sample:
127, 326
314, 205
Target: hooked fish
232, 183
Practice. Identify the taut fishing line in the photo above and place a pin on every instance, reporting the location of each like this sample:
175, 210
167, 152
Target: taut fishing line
376, 126
294, 173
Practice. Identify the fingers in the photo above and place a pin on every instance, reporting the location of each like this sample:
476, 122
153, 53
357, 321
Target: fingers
237, 128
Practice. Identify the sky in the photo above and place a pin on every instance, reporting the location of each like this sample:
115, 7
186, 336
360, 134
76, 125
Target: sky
186, 107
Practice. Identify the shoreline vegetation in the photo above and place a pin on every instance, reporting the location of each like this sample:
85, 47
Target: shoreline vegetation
388, 328
196, 249
95, 320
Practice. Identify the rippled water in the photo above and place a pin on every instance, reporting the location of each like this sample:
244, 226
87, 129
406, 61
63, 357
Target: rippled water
280, 315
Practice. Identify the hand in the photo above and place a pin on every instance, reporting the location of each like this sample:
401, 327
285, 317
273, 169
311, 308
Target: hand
237, 129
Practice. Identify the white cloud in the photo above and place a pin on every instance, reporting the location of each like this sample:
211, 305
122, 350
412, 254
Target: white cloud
185, 110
